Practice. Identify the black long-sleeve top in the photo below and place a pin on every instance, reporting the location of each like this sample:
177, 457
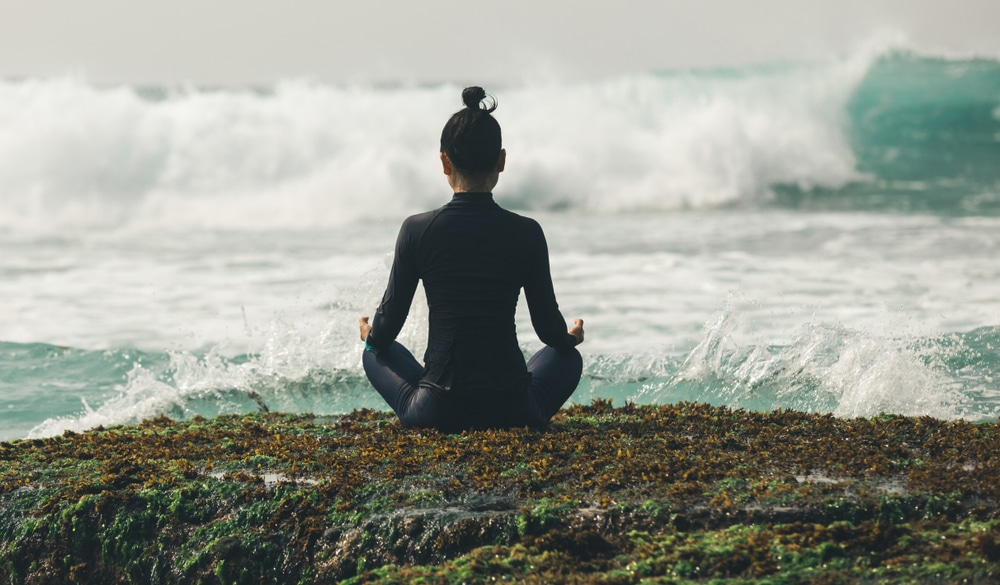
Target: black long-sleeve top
474, 258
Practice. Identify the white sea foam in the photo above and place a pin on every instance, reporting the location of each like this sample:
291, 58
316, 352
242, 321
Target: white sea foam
826, 368
294, 372
305, 154
300, 366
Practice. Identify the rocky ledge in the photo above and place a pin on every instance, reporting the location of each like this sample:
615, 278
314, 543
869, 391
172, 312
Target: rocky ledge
635, 494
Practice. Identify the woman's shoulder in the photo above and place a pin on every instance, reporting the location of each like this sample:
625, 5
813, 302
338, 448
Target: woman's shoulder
527, 223
420, 220
527, 229
521, 220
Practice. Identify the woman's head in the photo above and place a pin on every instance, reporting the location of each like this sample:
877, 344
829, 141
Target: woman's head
471, 138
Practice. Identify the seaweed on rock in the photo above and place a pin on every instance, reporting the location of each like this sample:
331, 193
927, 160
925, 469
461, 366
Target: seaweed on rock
675, 493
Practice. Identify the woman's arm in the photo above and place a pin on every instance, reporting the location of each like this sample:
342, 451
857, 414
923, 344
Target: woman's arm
395, 305
546, 319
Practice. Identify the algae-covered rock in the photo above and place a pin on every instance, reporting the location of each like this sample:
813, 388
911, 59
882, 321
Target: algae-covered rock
671, 493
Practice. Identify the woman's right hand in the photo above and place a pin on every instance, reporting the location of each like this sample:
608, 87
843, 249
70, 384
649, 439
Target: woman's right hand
577, 330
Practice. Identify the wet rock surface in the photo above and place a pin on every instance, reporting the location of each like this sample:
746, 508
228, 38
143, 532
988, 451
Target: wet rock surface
667, 494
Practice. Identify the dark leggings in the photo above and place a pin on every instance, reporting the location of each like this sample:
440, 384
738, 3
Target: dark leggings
395, 373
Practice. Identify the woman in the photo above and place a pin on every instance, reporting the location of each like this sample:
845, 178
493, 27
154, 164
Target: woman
474, 258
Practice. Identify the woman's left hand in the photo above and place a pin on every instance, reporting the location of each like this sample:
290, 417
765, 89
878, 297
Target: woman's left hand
364, 327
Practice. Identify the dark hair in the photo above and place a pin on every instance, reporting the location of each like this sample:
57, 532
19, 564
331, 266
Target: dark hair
471, 138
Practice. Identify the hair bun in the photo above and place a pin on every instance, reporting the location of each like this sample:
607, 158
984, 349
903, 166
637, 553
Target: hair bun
474, 96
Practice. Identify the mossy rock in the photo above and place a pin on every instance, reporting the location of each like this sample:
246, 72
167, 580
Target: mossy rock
671, 494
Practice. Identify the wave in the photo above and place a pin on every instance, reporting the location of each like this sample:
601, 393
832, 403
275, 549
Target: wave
826, 368
830, 368
290, 373
881, 128
925, 132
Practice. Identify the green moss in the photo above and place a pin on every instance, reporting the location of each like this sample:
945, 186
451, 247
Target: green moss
672, 493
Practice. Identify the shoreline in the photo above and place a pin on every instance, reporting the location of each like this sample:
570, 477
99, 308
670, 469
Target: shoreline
674, 493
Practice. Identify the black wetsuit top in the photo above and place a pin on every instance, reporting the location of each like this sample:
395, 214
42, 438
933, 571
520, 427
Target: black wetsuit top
473, 257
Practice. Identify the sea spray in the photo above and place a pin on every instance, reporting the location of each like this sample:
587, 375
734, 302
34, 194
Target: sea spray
211, 385
826, 368
832, 368
295, 369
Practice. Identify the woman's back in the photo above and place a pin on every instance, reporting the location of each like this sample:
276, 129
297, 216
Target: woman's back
474, 258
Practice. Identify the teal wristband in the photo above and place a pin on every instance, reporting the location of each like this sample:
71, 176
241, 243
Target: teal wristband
368, 346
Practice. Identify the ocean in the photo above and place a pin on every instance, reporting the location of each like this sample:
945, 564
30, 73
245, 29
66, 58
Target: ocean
818, 236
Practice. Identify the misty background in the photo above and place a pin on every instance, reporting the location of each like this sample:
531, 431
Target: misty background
229, 42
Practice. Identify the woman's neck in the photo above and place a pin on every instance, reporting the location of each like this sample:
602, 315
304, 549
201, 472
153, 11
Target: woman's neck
485, 184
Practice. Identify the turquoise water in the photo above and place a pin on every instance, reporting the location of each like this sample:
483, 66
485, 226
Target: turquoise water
818, 236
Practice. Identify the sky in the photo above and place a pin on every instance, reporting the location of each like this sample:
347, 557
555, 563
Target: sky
262, 41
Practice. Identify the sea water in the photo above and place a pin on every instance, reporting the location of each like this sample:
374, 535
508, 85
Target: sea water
820, 236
